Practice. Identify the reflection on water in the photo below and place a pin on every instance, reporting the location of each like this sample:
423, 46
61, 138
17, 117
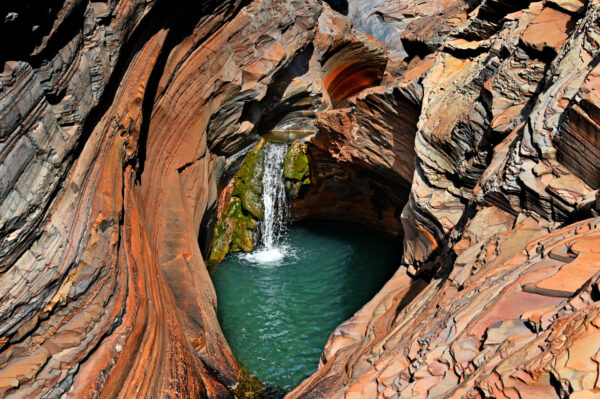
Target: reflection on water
278, 308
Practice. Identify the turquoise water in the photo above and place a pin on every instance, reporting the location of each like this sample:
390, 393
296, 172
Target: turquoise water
278, 315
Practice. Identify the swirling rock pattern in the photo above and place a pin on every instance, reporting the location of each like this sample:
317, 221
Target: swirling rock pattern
455, 124
107, 173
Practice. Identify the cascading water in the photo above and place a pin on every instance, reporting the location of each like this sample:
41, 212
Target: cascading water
273, 226
274, 200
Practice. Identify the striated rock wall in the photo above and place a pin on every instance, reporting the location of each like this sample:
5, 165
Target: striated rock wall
496, 296
109, 164
468, 127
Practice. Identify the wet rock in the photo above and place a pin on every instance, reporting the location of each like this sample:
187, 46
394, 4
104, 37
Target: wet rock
240, 204
296, 165
248, 182
296, 169
233, 231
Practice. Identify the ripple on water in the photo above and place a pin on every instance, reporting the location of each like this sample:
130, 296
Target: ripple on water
277, 308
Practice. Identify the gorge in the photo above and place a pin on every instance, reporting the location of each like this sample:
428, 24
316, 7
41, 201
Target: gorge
454, 143
279, 302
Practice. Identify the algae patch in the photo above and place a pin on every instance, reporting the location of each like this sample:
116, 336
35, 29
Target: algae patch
296, 168
240, 206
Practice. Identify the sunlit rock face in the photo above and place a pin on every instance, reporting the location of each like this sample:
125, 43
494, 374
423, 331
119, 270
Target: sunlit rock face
109, 164
470, 128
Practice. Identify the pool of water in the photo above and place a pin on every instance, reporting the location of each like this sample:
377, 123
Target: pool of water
278, 309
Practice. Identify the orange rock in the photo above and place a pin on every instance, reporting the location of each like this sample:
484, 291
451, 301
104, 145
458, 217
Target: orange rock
548, 31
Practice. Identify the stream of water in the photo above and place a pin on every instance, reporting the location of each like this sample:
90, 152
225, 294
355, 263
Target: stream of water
274, 224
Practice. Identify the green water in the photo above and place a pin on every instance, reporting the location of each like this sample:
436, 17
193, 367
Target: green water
277, 315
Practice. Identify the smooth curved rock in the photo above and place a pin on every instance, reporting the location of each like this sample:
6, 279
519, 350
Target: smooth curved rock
351, 67
107, 177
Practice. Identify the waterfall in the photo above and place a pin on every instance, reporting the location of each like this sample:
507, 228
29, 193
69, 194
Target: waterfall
274, 200
272, 248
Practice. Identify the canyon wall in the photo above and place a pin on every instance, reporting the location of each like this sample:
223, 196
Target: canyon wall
497, 295
117, 119
468, 127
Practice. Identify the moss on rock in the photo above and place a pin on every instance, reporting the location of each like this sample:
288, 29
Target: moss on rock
295, 165
233, 231
241, 237
296, 168
220, 243
248, 182
250, 387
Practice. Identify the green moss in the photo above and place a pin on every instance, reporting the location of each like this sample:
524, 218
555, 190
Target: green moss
295, 165
233, 233
250, 387
233, 230
241, 225
296, 168
252, 202
220, 243
248, 182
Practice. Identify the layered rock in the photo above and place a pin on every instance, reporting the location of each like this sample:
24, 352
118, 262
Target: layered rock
362, 160
494, 299
445, 343
470, 128
108, 170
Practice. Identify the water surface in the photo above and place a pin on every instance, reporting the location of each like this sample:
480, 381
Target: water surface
277, 310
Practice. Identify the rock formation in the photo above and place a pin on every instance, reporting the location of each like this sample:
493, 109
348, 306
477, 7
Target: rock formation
470, 128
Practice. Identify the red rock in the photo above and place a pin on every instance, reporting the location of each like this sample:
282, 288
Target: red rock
353, 66
548, 31
471, 133
577, 272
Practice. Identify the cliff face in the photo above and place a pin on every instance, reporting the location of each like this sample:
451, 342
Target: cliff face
497, 295
471, 128
115, 121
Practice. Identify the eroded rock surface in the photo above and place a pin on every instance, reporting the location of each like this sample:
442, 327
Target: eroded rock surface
496, 294
469, 127
109, 165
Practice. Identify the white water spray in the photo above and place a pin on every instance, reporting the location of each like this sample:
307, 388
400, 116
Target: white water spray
273, 227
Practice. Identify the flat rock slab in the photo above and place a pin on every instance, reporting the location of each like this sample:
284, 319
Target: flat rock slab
572, 276
547, 31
